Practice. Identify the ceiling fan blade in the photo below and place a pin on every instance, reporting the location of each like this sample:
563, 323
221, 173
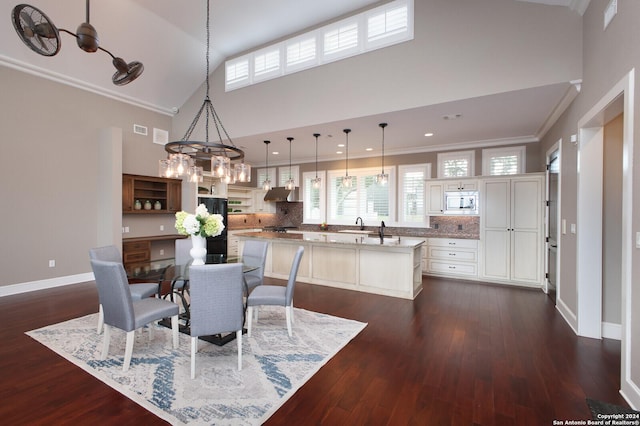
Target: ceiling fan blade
29, 30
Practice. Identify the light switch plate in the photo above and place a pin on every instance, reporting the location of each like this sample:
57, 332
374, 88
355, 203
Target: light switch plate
637, 239
573, 228
564, 226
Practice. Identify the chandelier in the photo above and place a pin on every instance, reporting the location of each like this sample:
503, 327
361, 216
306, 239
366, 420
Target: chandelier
186, 156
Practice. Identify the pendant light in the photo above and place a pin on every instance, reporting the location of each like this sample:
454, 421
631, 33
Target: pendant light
290, 184
266, 185
315, 182
346, 180
382, 178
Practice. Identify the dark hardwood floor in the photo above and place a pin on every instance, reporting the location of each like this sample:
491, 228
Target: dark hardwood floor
462, 353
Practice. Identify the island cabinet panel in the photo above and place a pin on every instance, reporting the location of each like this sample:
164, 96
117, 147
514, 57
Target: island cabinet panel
334, 264
375, 270
282, 257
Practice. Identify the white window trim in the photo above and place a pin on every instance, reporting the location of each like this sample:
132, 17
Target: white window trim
489, 153
242, 82
271, 172
306, 180
267, 75
426, 169
470, 156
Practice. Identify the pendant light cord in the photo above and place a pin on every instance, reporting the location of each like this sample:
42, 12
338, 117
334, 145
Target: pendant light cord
316, 136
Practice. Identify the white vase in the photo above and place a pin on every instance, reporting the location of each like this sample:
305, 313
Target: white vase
199, 249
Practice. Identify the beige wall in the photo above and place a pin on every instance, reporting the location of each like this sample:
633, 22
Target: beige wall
609, 55
49, 177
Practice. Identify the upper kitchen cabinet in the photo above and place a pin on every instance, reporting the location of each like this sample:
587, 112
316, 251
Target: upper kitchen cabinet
150, 195
461, 185
260, 205
511, 229
435, 197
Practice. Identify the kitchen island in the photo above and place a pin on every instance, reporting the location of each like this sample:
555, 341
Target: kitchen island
353, 262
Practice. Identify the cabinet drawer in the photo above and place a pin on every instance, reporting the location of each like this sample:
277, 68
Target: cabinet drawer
136, 246
137, 256
453, 254
453, 243
450, 268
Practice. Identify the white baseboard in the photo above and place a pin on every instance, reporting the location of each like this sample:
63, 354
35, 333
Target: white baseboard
12, 289
568, 315
611, 331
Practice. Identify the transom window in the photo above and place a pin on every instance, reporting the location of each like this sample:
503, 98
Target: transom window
456, 164
382, 26
503, 161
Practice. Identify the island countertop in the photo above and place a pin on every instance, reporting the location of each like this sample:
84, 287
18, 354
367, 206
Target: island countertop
329, 238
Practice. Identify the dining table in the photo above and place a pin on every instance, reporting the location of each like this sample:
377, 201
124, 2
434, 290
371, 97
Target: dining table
177, 274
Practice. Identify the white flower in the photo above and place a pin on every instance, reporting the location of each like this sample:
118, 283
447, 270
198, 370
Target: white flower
191, 224
202, 211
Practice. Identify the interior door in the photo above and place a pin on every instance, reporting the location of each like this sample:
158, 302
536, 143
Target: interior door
553, 174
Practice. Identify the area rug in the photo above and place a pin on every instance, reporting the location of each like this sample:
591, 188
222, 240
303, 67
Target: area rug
603, 410
274, 365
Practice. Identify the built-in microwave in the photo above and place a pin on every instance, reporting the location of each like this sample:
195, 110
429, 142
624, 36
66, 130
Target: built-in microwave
461, 202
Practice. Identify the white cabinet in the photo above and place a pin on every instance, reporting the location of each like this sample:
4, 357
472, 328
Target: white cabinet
435, 197
452, 257
260, 205
511, 229
461, 185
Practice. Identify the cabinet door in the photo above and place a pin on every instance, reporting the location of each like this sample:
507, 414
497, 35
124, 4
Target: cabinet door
496, 236
174, 196
435, 198
526, 230
260, 205
127, 193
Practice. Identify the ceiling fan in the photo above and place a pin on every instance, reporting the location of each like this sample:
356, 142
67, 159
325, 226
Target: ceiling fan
40, 34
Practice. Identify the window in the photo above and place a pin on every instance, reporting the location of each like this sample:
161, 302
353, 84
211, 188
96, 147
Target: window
411, 194
364, 198
266, 63
284, 173
382, 26
341, 39
314, 199
301, 52
262, 175
388, 22
456, 164
503, 161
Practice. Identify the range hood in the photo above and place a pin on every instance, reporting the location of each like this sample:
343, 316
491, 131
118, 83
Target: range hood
281, 194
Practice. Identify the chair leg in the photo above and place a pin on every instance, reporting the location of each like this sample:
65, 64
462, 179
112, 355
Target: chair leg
292, 316
100, 319
194, 349
174, 330
249, 320
150, 326
105, 342
128, 350
239, 339
288, 314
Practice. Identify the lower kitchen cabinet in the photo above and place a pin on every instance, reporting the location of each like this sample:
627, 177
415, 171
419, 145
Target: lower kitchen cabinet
451, 257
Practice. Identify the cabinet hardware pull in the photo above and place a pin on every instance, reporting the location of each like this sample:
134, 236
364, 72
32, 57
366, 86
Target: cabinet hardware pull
452, 254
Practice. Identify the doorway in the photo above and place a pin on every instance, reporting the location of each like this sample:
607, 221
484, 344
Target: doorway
552, 236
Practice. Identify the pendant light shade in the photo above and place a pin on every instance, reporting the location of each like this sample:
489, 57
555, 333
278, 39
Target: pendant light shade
266, 185
382, 178
290, 184
316, 182
242, 172
346, 180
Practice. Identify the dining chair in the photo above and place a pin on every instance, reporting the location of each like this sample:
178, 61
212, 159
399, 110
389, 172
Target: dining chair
138, 291
216, 304
121, 311
254, 254
275, 295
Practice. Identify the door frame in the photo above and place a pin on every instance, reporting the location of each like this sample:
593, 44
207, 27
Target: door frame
555, 147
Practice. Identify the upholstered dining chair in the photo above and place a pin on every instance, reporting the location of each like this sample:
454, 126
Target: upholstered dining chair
121, 311
254, 253
138, 291
275, 295
216, 304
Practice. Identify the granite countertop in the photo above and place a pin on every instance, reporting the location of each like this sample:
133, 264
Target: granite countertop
338, 239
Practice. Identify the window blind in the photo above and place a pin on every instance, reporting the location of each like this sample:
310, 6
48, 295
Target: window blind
412, 194
237, 71
503, 165
267, 62
301, 51
387, 23
341, 38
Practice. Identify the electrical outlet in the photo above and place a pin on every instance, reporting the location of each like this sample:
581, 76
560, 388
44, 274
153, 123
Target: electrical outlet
126, 229
52, 263
161, 252
162, 227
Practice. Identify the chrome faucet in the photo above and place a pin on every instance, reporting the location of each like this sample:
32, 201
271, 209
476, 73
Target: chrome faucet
381, 232
361, 222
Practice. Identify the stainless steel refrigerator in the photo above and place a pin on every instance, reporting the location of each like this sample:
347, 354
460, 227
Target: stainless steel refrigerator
216, 246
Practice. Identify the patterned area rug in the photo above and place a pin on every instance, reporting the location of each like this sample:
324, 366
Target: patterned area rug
274, 366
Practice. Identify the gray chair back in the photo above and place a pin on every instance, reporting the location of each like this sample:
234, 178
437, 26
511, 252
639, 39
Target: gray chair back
216, 298
292, 275
106, 253
114, 294
183, 246
254, 253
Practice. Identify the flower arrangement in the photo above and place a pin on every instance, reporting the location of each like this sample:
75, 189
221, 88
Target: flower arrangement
323, 226
202, 223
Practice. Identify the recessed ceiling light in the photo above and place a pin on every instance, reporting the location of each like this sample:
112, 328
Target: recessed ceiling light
338, 152
428, 134
340, 145
275, 153
369, 149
